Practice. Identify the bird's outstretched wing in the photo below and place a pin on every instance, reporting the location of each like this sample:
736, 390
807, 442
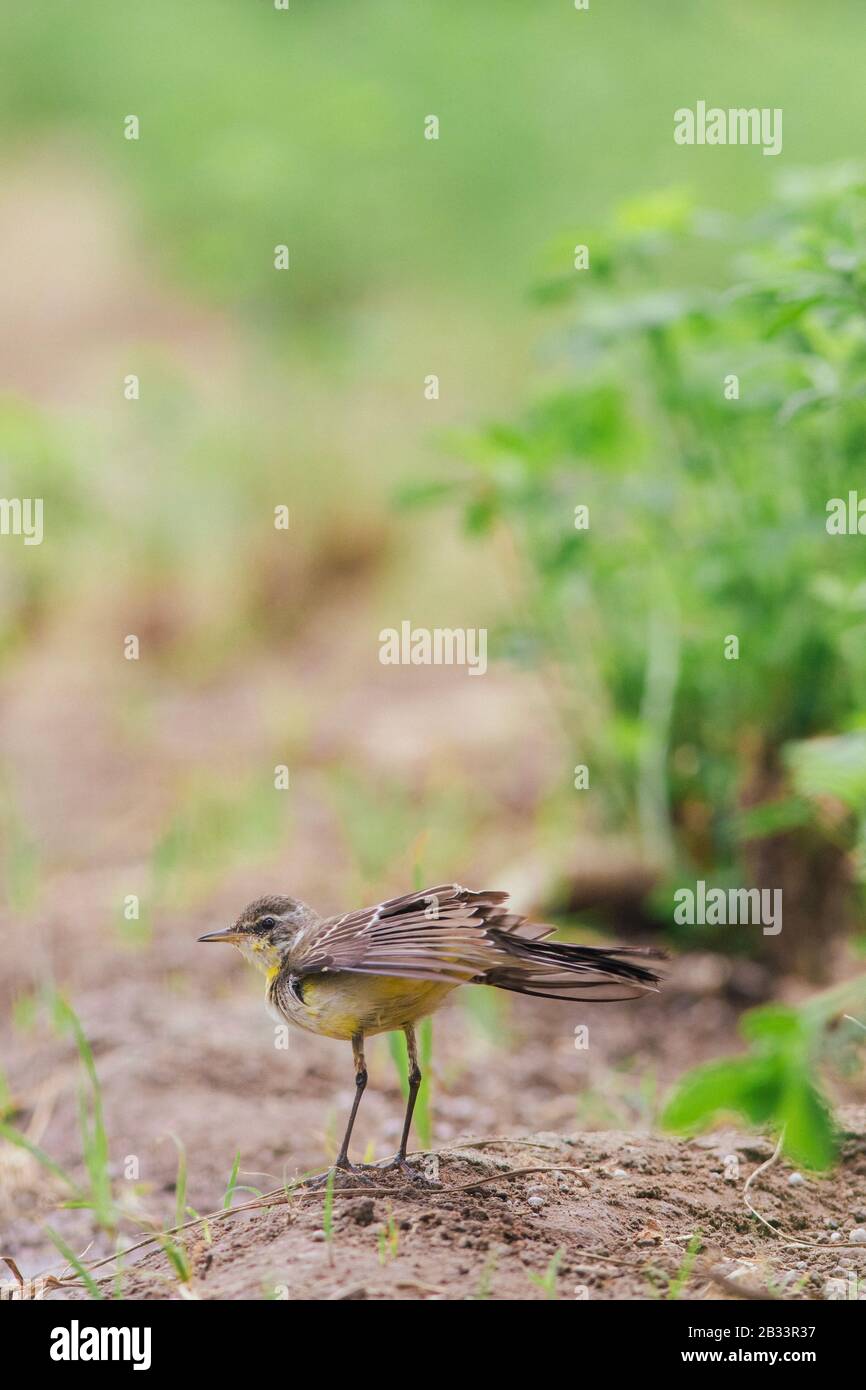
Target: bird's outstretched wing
454, 935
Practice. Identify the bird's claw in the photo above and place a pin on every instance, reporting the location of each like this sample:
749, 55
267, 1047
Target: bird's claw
401, 1164
354, 1173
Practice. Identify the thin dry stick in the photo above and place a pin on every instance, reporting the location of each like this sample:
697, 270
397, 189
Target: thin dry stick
794, 1244
768, 1163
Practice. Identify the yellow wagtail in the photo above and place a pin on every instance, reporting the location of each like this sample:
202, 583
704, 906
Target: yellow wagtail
384, 967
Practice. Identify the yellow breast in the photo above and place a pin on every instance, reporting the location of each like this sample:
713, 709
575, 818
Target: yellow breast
342, 1005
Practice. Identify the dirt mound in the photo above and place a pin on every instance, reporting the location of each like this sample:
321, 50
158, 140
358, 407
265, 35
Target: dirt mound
601, 1215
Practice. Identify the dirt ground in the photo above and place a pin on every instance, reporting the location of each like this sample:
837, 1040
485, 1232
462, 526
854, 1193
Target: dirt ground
602, 1215
615, 1215
622, 1212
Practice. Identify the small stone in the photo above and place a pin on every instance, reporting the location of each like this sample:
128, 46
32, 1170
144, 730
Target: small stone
831, 1223
363, 1212
835, 1235
619, 1173
834, 1289
536, 1202
858, 1235
796, 1180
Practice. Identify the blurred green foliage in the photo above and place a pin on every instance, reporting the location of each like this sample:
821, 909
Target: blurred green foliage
777, 1083
707, 508
260, 126
217, 823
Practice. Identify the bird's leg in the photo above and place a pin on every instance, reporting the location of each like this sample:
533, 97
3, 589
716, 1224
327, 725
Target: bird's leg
360, 1084
399, 1160
414, 1087
341, 1162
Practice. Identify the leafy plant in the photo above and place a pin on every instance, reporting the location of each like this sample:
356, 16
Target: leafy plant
668, 492
98, 1194
775, 1084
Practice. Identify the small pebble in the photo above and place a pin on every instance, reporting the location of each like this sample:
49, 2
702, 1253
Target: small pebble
536, 1202
834, 1289
364, 1212
796, 1180
619, 1173
858, 1235
836, 1235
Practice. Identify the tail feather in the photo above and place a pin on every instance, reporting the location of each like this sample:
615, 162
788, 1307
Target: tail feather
557, 970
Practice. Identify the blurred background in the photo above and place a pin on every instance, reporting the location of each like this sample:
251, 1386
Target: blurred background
153, 780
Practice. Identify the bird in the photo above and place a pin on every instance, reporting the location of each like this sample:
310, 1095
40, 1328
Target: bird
382, 968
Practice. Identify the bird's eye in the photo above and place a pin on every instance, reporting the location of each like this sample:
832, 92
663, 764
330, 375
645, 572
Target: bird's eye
267, 922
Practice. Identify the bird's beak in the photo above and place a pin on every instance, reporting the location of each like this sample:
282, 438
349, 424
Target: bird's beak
229, 934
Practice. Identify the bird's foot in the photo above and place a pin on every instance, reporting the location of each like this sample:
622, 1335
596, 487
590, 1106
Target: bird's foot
409, 1170
344, 1174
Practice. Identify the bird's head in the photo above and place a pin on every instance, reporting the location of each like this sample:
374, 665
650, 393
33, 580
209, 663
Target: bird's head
266, 930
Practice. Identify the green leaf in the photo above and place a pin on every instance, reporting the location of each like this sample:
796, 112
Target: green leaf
747, 1086
773, 1024
773, 818
87, 1279
830, 767
810, 1138
15, 1136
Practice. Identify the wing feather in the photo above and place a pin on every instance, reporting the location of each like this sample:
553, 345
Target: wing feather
450, 934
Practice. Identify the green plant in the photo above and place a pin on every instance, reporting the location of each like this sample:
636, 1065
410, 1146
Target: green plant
672, 1285
328, 1209
86, 1278
388, 1239
669, 492
776, 1083
234, 1186
547, 1281
485, 1280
